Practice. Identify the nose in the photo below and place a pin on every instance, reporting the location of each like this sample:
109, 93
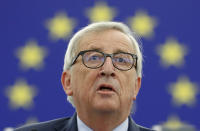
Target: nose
107, 69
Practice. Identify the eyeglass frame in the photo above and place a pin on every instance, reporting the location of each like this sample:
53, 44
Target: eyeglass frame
105, 56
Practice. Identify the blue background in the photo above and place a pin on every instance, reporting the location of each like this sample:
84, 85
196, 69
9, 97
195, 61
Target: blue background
21, 20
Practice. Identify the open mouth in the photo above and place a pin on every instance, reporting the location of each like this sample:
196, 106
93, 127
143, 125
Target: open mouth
102, 88
106, 88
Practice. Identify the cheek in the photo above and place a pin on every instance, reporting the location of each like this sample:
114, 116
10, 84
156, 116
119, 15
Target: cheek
128, 85
83, 79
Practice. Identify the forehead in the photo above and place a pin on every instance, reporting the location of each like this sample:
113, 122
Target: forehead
109, 41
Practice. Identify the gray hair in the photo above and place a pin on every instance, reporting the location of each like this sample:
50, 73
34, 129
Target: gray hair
97, 27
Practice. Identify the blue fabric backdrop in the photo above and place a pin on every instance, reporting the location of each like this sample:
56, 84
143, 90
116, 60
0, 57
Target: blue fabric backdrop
34, 37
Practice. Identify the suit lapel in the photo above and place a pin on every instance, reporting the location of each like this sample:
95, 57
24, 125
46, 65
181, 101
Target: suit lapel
132, 125
71, 125
68, 125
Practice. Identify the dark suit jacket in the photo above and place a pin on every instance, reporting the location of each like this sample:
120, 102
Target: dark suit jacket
69, 124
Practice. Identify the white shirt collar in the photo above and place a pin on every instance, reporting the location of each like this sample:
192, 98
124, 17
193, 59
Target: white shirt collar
123, 126
83, 127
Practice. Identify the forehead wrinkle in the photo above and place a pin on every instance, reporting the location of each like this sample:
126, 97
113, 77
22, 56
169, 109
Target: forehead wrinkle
92, 40
96, 47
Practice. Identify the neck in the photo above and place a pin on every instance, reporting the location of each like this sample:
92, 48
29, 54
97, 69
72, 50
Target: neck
102, 121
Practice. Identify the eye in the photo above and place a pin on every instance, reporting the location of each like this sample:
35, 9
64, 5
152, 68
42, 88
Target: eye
121, 60
93, 58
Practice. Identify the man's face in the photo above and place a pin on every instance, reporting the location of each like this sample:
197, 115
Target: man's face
87, 86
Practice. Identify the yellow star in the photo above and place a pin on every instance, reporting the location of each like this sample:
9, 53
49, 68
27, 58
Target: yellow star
101, 12
31, 120
172, 53
173, 123
31, 55
183, 91
60, 27
143, 24
21, 95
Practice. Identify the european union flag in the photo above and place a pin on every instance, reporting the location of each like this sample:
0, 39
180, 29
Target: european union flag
34, 38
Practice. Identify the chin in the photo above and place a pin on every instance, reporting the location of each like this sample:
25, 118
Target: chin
106, 106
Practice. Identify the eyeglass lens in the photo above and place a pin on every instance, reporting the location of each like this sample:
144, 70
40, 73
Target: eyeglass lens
93, 59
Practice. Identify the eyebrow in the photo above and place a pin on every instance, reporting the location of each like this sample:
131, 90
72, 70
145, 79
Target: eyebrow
96, 48
119, 50
116, 51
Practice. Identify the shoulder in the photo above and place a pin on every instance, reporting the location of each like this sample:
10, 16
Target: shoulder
42, 126
135, 127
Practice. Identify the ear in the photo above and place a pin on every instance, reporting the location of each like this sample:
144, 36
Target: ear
66, 82
137, 87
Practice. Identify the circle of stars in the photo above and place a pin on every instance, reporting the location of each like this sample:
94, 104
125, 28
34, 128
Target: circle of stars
61, 26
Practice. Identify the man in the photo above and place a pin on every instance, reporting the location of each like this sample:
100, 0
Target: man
101, 77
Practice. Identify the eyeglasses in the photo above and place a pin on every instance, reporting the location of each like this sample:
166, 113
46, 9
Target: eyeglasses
95, 59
